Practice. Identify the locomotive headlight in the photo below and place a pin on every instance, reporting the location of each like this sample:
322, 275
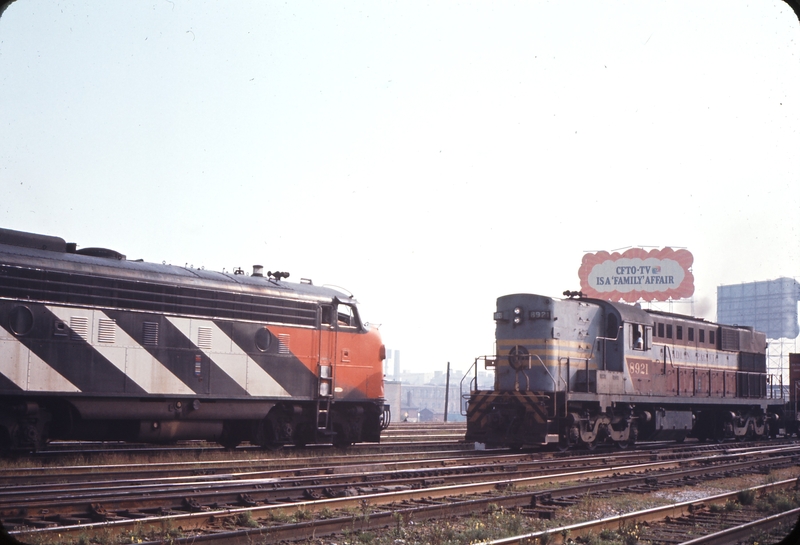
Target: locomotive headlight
517, 315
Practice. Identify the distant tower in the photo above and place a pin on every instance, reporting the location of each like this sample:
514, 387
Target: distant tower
386, 362
396, 364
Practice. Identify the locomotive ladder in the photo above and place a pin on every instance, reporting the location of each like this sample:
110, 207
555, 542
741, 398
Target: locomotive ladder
323, 414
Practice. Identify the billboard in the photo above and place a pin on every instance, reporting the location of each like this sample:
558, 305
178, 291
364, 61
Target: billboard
655, 275
769, 306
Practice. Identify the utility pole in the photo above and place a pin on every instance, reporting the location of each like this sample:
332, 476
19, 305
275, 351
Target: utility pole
446, 391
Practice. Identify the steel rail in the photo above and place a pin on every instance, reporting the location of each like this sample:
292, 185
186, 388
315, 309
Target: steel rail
744, 531
676, 510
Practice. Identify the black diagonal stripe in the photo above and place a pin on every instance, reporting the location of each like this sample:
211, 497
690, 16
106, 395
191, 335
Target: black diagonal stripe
8, 387
75, 360
177, 353
287, 370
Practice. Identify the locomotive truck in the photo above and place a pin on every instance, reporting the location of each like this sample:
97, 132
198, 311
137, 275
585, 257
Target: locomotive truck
94, 346
577, 372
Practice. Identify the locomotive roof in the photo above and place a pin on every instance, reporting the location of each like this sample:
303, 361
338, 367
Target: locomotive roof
53, 253
635, 313
628, 313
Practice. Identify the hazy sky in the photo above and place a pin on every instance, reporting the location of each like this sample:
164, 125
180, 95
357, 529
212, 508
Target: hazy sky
427, 156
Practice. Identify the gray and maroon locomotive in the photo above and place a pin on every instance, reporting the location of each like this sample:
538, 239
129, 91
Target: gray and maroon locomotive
577, 372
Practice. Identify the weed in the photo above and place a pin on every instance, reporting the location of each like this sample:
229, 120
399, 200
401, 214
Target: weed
366, 537
608, 535
592, 539
279, 516
746, 497
475, 531
327, 513
630, 533
731, 505
246, 520
776, 502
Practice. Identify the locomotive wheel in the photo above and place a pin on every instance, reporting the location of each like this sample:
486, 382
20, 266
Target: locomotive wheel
341, 439
633, 434
266, 436
229, 443
591, 445
5, 442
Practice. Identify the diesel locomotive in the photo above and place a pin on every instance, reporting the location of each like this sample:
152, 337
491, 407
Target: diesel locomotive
94, 346
577, 372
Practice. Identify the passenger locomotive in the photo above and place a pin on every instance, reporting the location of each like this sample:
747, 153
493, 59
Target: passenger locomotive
97, 347
576, 372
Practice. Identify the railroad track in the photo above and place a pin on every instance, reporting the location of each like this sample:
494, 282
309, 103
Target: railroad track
200, 504
398, 437
692, 522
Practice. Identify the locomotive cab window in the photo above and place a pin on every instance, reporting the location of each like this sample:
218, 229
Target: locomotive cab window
347, 317
640, 336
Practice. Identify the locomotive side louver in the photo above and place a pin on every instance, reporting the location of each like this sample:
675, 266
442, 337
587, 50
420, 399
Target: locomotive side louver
106, 331
150, 333
79, 325
283, 343
204, 338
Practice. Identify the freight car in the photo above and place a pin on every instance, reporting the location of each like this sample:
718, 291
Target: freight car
97, 347
577, 372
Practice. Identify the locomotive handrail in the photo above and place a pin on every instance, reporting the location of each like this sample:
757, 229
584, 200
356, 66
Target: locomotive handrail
555, 382
473, 380
605, 340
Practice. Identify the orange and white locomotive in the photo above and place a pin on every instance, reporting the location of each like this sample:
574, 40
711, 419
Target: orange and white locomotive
94, 346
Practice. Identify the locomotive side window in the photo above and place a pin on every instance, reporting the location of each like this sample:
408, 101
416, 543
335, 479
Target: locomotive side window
327, 315
661, 330
701, 335
669, 331
691, 334
679, 332
711, 337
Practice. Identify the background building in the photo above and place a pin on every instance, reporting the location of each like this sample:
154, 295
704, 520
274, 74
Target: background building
769, 306
420, 397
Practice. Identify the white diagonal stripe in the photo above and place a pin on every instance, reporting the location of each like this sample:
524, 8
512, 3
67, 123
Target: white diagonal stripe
17, 363
127, 355
231, 358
